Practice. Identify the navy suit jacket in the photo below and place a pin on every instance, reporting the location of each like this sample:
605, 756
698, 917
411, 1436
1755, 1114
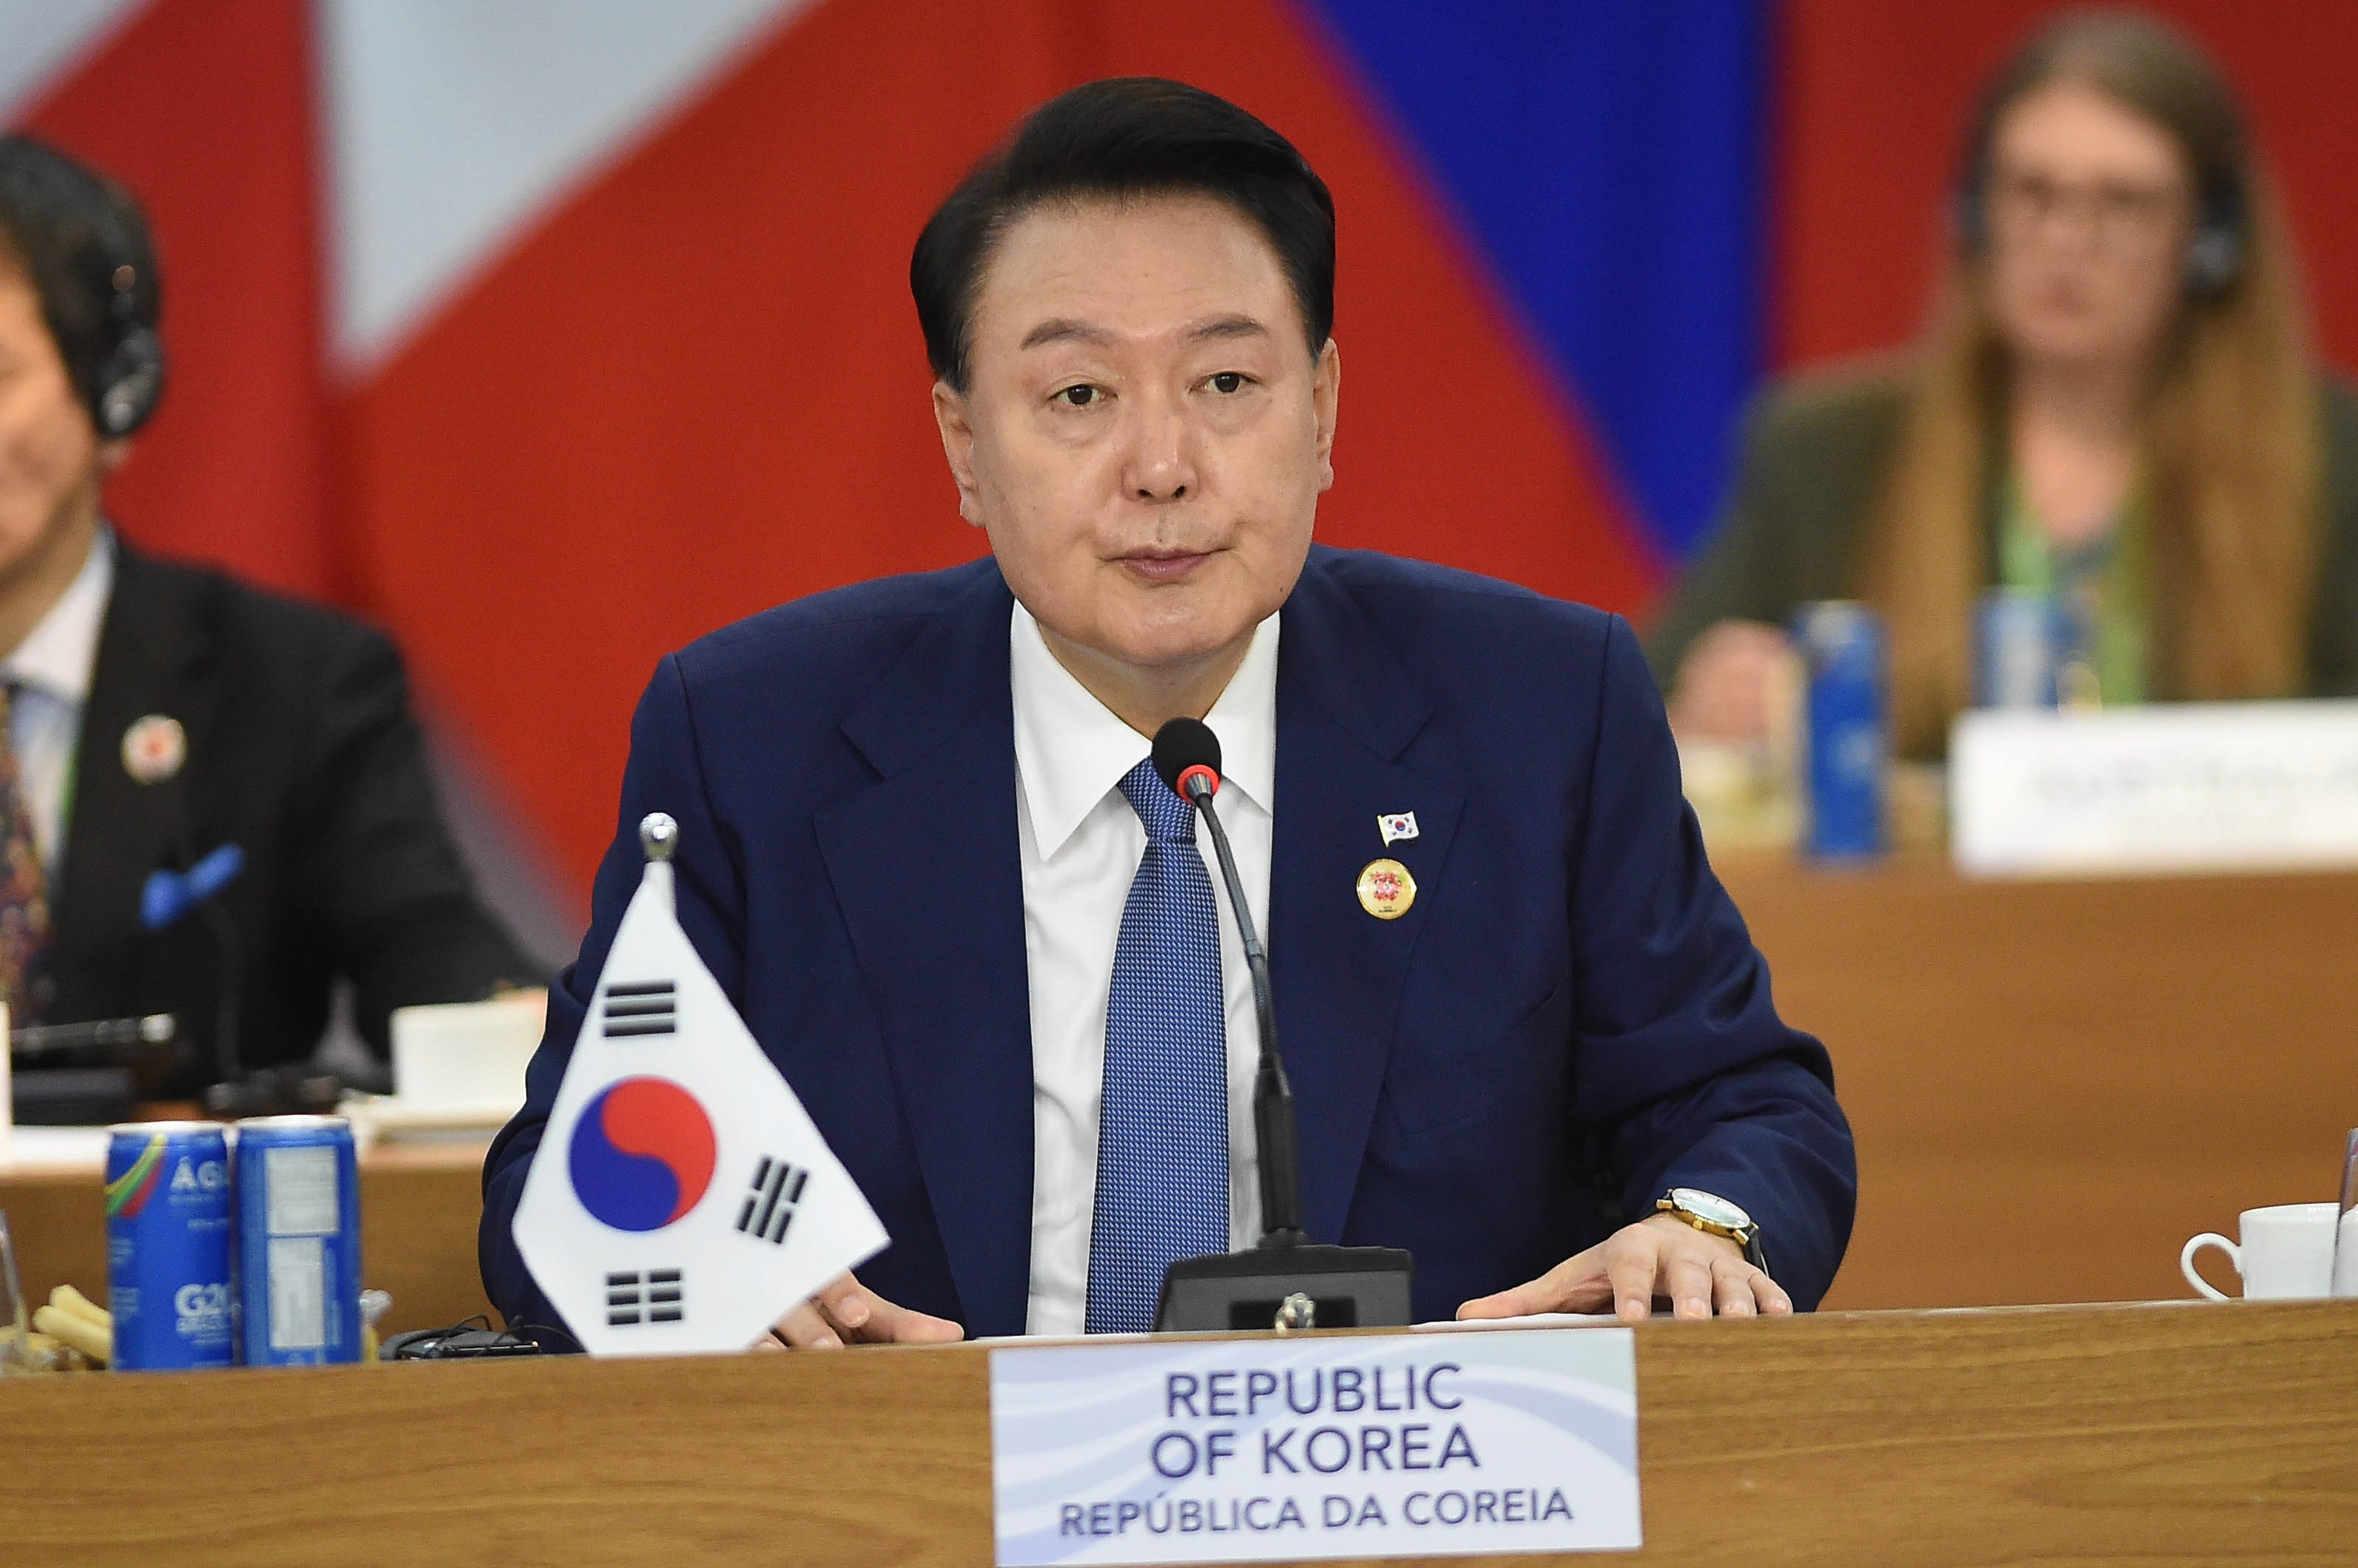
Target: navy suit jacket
1570, 1019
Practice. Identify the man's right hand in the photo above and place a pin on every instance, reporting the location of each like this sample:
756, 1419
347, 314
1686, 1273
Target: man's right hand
845, 1311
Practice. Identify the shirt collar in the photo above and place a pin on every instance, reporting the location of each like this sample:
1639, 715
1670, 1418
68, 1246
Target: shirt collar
1070, 750
58, 655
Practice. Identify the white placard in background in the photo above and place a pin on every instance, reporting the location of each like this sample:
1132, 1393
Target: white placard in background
1270, 1449
466, 1055
2179, 787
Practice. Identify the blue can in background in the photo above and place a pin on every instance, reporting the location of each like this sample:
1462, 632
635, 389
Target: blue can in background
298, 1206
1842, 647
169, 1233
2021, 643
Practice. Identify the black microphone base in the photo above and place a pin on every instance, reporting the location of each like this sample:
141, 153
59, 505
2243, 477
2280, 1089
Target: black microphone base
1350, 1287
73, 1097
291, 1091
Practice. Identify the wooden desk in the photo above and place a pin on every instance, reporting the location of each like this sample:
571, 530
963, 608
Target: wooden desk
2144, 1436
418, 1208
2055, 1084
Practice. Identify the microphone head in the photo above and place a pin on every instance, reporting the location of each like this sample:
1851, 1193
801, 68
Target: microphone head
1183, 747
167, 895
216, 870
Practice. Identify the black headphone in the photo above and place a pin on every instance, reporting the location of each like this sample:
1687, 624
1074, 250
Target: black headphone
130, 381
86, 246
2214, 257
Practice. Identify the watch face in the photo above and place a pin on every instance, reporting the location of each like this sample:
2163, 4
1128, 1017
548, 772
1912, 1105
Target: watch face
1706, 1206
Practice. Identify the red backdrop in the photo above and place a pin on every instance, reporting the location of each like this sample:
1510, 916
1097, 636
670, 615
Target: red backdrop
204, 109
773, 188
534, 579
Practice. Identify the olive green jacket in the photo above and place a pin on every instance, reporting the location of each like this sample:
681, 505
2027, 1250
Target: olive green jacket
1815, 450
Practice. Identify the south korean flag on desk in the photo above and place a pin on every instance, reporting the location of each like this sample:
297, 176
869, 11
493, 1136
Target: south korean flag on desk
681, 1199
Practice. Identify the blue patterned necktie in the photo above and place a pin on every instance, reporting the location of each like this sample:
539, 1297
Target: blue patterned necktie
1162, 1135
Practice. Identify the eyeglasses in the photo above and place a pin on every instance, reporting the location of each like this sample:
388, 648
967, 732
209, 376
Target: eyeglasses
2115, 213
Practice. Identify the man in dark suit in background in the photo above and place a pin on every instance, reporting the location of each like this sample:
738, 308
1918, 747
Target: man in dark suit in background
154, 713
922, 849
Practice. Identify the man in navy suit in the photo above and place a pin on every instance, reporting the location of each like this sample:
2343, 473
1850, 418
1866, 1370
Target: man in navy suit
1529, 1038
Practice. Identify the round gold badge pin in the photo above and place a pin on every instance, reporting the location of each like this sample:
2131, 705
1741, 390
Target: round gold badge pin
1386, 890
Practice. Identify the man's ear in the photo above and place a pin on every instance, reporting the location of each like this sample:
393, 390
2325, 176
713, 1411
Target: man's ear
111, 455
950, 415
1326, 395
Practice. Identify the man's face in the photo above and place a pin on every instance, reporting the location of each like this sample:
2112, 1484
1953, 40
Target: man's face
50, 457
1145, 433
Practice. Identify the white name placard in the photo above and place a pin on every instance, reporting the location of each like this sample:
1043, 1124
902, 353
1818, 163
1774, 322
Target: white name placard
2193, 787
1244, 1451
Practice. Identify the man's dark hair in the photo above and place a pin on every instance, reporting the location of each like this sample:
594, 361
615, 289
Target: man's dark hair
70, 231
1133, 136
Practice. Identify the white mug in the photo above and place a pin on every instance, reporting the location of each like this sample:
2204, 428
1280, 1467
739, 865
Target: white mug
2286, 1252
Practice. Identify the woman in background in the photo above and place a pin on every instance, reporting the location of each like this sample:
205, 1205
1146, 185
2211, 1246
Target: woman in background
2115, 404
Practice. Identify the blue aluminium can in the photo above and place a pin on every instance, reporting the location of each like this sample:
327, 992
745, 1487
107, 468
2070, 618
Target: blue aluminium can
299, 1210
169, 1232
1843, 648
2021, 641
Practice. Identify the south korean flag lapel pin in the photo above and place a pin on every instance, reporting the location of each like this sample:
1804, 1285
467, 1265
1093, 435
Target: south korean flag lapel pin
1386, 889
681, 1199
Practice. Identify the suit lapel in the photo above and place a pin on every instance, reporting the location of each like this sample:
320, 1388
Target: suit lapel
925, 865
1345, 715
150, 658
927, 872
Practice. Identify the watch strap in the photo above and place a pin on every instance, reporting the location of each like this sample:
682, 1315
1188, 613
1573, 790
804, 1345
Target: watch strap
1748, 1239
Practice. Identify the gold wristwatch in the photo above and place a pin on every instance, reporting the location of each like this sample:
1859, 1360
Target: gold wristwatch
1715, 1216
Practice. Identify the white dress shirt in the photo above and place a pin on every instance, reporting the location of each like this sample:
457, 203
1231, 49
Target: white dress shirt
50, 671
1081, 843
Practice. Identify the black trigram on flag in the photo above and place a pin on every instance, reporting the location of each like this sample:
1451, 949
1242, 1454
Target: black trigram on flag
647, 1007
770, 1202
655, 1296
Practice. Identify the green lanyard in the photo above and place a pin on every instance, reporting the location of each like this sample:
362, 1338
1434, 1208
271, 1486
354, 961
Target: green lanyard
2104, 585
66, 790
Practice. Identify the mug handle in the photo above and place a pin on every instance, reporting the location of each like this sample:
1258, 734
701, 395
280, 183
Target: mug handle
2186, 1262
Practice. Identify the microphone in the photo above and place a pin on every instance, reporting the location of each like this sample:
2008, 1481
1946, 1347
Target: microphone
105, 1033
1187, 758
77, 1073
169, 897
1286, 1283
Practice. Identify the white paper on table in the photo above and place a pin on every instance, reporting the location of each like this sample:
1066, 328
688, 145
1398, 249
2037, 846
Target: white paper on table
1527, 1320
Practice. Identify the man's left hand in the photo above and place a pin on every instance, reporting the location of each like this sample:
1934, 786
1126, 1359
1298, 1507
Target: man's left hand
1660, 1256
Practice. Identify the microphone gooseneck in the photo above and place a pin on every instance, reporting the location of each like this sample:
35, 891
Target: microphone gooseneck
167, 898
1187, 758
227, 1058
